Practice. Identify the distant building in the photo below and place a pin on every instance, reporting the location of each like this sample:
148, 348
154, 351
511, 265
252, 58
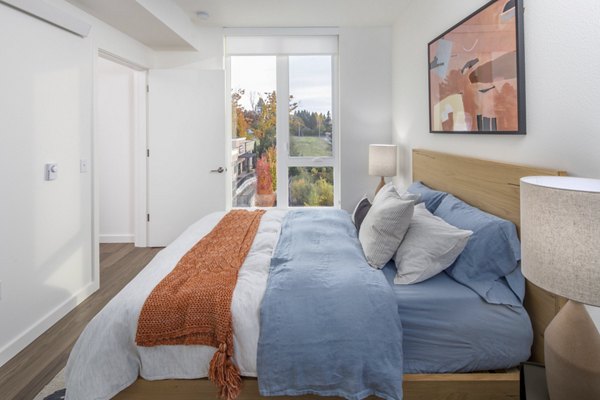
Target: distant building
243, 161
242, 156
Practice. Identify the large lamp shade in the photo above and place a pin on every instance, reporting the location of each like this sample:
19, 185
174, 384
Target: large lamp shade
383, 159
560, 240
560, 235
382, 162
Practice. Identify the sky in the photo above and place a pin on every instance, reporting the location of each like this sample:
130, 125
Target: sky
310, 79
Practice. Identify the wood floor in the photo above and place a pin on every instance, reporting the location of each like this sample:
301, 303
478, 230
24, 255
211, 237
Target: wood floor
27, 373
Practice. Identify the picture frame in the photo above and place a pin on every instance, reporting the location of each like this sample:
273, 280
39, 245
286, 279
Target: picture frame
477, 73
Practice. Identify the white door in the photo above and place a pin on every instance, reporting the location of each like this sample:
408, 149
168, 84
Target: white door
186, 134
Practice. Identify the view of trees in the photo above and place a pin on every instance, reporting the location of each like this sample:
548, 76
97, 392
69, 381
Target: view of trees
259, 123
311, 186
308, 187
306, 123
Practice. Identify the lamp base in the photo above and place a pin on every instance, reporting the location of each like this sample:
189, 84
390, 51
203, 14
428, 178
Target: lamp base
572, 352
381, 184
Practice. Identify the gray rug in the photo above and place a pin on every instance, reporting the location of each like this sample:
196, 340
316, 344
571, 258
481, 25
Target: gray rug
55, 389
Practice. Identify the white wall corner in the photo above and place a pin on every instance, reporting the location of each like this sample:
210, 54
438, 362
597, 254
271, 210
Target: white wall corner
174, 18
108, 38
211, 47
12, 348
365, 105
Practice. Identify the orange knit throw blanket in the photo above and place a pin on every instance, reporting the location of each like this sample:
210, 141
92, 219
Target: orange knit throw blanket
192, 305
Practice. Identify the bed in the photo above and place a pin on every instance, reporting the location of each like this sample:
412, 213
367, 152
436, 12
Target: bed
492, 187
461, 341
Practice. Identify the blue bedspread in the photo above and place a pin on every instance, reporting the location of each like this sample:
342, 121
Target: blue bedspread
329, 323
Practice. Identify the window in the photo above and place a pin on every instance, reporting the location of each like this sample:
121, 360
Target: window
284, 156
254, 131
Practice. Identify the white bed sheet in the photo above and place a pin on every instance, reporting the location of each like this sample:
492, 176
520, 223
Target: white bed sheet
105, 359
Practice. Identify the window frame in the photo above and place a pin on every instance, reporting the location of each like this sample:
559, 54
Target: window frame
283, 135
284, 159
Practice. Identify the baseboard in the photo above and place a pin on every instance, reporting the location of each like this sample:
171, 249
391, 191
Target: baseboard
36, 330
125, 238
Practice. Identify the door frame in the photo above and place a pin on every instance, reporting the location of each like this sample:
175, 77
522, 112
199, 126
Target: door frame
140, 146
228, 135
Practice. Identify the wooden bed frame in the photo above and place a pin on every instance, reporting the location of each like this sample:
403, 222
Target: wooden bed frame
490, 186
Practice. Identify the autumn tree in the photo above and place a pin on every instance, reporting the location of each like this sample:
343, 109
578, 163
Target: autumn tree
239, 118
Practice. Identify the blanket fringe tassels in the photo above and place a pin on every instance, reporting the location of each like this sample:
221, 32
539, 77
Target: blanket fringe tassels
192, 304
225, 374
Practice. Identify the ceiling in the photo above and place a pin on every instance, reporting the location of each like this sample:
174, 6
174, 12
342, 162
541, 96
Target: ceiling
295, 13
134, 20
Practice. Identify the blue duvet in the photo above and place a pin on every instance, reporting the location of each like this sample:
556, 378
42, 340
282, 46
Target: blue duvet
329, 323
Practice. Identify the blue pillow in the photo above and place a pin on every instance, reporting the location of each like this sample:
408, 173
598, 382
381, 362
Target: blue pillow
491, 256
431, 198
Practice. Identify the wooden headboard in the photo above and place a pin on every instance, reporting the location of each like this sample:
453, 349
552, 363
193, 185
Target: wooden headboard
495, 188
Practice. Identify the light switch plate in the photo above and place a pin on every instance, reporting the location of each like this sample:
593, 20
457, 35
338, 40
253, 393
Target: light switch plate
83, 166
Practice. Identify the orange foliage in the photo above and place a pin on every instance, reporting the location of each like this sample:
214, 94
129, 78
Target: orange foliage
263, 174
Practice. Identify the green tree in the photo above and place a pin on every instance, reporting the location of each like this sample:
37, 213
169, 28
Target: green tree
311, 187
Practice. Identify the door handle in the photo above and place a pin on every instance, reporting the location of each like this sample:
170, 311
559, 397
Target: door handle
219, 170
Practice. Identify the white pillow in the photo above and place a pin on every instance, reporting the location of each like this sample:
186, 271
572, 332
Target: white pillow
384, 228
390, 187
430, 246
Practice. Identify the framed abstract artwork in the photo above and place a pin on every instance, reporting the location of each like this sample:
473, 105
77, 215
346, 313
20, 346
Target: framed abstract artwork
477, 73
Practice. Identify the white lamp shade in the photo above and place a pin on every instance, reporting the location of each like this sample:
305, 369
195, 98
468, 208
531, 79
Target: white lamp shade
383, 159
560, 236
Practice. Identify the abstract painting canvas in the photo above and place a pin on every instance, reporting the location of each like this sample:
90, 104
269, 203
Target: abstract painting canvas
476, 73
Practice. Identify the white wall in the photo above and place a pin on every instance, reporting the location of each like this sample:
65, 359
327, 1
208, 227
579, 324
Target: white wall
365, 105
46, 227
48, 261
209, 56
114, 144
562, 58
104, 36
173, 16
365, 71
212, 60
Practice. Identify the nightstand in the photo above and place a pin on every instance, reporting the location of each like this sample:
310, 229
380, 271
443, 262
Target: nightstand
533, 382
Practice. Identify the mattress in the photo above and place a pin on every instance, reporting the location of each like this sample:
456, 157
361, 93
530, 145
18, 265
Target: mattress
449, 328
105, 359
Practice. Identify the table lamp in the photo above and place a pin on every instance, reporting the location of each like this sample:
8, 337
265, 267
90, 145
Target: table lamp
382, 161
560, 241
